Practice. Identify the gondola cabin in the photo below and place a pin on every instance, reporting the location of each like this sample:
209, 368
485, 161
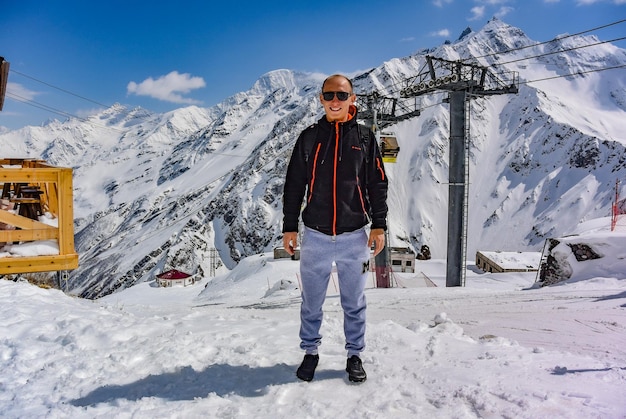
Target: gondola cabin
389, 147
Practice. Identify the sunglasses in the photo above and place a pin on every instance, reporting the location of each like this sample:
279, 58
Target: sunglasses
342, 96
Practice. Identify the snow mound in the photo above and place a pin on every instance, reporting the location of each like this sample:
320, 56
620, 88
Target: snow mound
592, 253
255, 278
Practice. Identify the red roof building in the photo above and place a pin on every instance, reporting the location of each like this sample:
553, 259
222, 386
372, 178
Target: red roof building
175, 277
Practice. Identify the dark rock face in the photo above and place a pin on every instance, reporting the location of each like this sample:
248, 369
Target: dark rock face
556, 268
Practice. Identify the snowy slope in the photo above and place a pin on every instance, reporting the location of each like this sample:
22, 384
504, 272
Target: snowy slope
496, 348
158, 191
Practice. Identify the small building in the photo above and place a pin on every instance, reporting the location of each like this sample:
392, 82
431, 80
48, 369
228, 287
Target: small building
174, 277
281, 253
402, 259
498, 261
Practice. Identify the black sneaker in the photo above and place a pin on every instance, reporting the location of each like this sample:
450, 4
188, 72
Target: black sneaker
354, 368
306, 371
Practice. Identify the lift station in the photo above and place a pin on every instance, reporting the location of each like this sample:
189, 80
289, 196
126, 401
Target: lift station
463, 81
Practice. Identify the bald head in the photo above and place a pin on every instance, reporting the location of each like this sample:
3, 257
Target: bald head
337, 76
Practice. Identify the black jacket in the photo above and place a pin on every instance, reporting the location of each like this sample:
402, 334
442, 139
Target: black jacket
345, 189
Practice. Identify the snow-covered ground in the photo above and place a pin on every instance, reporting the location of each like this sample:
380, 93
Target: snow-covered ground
495, 348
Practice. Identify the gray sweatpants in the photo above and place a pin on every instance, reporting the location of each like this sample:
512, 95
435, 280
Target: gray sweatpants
350, 253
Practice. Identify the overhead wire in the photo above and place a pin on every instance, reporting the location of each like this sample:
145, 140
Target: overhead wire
44, 107
31, 102
60, 89
578, 73
558, 38
398, 85
562, 50
551, 53
59, 112
47, 108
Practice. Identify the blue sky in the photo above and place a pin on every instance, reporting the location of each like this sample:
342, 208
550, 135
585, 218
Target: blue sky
74, 56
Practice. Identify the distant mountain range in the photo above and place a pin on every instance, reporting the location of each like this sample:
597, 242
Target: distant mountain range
159, 191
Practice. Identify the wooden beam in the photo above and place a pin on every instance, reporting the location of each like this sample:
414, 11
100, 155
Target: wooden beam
29, 175
8, 236
66, 212
25, 162
21, 222
14, 265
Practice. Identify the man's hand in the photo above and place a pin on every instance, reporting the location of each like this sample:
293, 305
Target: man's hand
377, 237
290, 241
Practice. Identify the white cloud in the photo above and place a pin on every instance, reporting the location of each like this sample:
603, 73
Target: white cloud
493, 2
20, 91
590, 2
477, 12
86, 113
441, 3
169, 88
504, 10
442, 33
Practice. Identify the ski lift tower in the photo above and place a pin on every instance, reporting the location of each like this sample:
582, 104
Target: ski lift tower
463, 81
379, 111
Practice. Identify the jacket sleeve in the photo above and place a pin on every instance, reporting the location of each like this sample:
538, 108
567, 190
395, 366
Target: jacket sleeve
377, 185
295, 187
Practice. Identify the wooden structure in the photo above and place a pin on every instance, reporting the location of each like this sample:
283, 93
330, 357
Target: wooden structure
32, 187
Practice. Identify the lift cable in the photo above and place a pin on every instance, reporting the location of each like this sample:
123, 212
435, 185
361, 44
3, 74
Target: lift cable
60, 89
558, 38
578, 73
398, 86
561, 51
85, 120
47, 108
395, 87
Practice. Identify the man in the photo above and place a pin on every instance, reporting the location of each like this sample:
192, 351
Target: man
338, 164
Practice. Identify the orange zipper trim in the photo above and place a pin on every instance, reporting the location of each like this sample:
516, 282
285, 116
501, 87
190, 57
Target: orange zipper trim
358, 186
382, 172
317, 151
335, 179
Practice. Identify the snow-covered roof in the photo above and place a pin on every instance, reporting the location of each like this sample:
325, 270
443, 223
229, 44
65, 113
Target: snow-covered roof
514, 260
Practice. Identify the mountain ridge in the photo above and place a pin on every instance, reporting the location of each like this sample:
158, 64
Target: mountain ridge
154, 191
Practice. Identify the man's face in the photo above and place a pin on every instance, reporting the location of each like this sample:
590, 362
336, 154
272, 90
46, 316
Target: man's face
337, 110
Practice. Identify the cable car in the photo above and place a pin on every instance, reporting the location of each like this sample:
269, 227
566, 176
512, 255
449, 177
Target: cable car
389, 147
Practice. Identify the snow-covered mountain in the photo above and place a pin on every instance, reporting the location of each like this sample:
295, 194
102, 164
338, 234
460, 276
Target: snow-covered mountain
155, 191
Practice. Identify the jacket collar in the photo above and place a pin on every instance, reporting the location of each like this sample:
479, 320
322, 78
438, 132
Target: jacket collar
352, 112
